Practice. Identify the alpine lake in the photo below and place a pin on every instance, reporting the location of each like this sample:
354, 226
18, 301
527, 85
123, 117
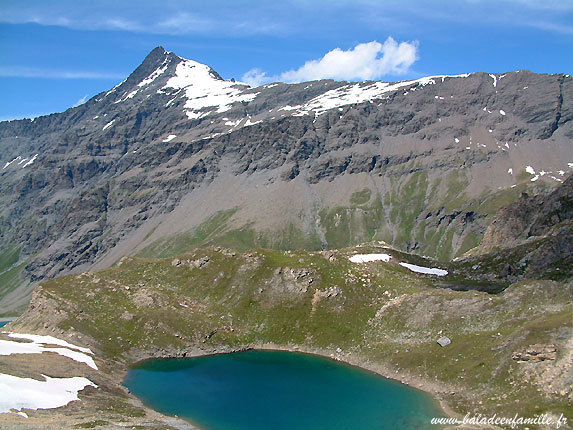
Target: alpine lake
263, 389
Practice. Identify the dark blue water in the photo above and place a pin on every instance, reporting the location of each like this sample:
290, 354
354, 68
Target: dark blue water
264, 390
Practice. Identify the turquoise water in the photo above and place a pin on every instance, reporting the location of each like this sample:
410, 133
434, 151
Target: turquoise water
3, 323
264, 390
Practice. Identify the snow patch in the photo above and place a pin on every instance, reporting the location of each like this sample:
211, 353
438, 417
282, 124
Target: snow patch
114, 88
154, 75
10, 162
502, 112
196, 115
108, 125
131, 95
31, 161
204, 89
289, 107
456, 140
234, 123
361, 92
27, 393
367, 258
249, 122
510, 171
169, 138
494, 79
37, 346
424, 270
530, 170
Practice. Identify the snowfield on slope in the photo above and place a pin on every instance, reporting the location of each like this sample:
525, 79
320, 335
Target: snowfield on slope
204, 90
38, 346
27, 393
367, 258
359, 93
424, 270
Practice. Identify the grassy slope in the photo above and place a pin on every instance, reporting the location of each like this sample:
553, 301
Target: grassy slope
383, 313
398, 217
11, 273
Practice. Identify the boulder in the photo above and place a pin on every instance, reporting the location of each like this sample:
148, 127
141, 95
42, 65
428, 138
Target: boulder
444, 341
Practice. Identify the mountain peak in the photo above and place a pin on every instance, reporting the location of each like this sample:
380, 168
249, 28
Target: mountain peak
162, 62
158, 50
155, 59
156, 56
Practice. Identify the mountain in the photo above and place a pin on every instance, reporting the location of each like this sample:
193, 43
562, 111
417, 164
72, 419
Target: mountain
176, 157
509, 353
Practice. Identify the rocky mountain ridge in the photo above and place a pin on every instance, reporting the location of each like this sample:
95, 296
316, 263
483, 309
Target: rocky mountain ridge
175, 156
540, 228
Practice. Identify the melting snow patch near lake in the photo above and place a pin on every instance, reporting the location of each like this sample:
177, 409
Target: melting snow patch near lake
26, 393
49, 340
37, 346
367, 258
424, 270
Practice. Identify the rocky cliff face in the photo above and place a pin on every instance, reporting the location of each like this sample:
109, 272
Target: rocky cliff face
175, 156
530, 218
541, 227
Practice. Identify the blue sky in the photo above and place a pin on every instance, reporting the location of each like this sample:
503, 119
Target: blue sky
57, 53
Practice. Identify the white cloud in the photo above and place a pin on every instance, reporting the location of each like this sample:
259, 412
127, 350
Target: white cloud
242, 17
549, 26
366, 61
81, 101
256, 77
30, 72
155, 18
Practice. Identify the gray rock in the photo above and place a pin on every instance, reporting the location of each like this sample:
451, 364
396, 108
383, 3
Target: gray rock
536, 353
444, 341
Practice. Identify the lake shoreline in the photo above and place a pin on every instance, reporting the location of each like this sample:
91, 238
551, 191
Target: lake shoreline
435, 389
